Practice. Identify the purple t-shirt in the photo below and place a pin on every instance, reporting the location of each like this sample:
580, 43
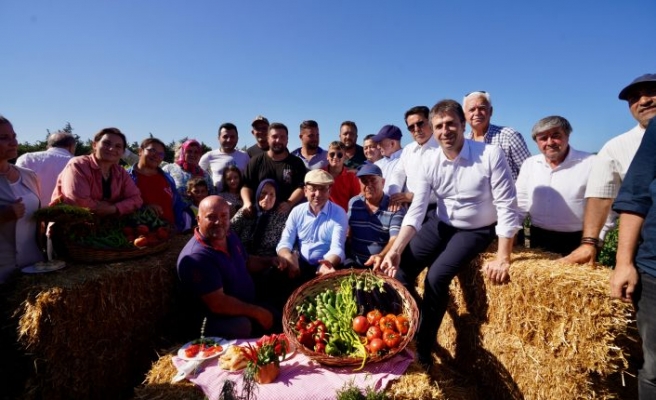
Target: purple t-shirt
202, 269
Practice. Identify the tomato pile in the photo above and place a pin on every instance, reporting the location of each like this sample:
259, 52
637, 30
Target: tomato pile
351, 320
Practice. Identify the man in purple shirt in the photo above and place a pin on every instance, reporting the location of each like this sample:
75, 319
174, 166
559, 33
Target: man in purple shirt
214, 278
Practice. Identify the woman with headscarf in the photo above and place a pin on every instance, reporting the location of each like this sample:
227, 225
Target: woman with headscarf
260, 235
19, 198
187, 156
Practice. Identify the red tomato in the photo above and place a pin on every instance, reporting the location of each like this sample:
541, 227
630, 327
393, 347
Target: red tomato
360, 325
141, 241
142, 230
162, 233
128, 231
376, 345
320, 347
374, 316
373, 332
402, 324
391, 339
152, 238
386, 324
192, 350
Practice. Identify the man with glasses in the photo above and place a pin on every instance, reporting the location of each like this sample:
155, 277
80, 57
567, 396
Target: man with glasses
346, 183
313, 156
318, 228
407, 172
389, 143
354, 153
478, 111
215, 161
157, 188
611, 165
260, 127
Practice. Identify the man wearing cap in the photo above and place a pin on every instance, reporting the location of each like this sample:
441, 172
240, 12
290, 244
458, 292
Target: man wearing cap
476, 203
373, 227
348, 134
478, 111
610, 166
215, 161
313, 156
408, 170
260, 127
317, 229
389, 143
277, 164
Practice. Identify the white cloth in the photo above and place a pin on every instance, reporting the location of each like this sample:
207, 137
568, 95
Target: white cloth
408, 170
474, 190
27, 250
387, 166
47, 165
554, 197
611, 164
215, 162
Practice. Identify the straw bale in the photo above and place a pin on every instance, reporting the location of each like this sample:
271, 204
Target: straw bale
158, 386
572, 336
90, 328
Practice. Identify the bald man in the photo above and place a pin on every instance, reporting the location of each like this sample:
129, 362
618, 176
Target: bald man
214, 278
49, 163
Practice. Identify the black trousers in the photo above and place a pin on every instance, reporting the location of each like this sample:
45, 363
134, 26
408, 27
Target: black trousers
446, 251
561, 243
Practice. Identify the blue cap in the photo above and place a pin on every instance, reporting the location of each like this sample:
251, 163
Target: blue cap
646, 78
369, 169
388, 132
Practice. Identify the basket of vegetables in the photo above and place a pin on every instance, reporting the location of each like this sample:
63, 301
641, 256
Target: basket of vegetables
350, 318
89, 238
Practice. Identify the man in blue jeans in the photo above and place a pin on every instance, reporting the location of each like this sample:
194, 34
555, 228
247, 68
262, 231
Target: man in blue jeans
634, 277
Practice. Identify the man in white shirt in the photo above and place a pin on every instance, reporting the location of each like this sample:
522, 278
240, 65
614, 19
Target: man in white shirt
610, 166
408, 171
476, 202
389, 143
216, 161
49, 163
551, 187
478, 111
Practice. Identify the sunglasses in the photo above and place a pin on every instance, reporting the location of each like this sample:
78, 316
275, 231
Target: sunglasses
333, 155
416, 125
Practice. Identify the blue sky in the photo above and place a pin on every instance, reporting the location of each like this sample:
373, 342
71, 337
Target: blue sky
176, 69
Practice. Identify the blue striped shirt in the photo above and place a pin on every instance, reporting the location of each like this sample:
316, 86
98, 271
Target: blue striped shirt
371, 232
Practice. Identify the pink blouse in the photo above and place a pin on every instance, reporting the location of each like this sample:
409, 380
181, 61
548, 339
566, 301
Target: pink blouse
80, 183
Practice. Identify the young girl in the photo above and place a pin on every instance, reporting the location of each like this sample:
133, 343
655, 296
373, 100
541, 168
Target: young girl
231, 192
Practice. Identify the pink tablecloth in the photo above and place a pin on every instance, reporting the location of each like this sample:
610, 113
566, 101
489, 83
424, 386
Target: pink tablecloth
303, 379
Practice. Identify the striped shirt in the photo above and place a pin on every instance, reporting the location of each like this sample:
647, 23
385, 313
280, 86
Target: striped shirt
511, 142
371, 232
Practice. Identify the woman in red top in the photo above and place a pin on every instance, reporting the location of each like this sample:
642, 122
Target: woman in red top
157, 187
346, 183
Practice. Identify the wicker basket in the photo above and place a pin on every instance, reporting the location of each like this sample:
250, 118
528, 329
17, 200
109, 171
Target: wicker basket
331, 281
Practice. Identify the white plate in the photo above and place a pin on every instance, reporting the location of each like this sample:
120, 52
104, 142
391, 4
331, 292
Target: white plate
43, 267
223, 342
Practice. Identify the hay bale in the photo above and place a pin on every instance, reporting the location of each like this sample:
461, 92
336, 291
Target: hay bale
90, 328
158, 386
552, 332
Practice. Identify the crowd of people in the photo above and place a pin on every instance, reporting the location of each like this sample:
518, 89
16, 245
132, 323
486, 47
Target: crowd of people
267, 220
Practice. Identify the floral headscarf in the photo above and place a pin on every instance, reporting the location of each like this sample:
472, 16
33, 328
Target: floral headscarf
194, 170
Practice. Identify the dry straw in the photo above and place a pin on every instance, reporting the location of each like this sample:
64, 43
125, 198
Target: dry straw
90, 328
551, 333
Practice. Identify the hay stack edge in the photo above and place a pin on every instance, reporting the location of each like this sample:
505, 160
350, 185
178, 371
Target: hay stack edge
551, 333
